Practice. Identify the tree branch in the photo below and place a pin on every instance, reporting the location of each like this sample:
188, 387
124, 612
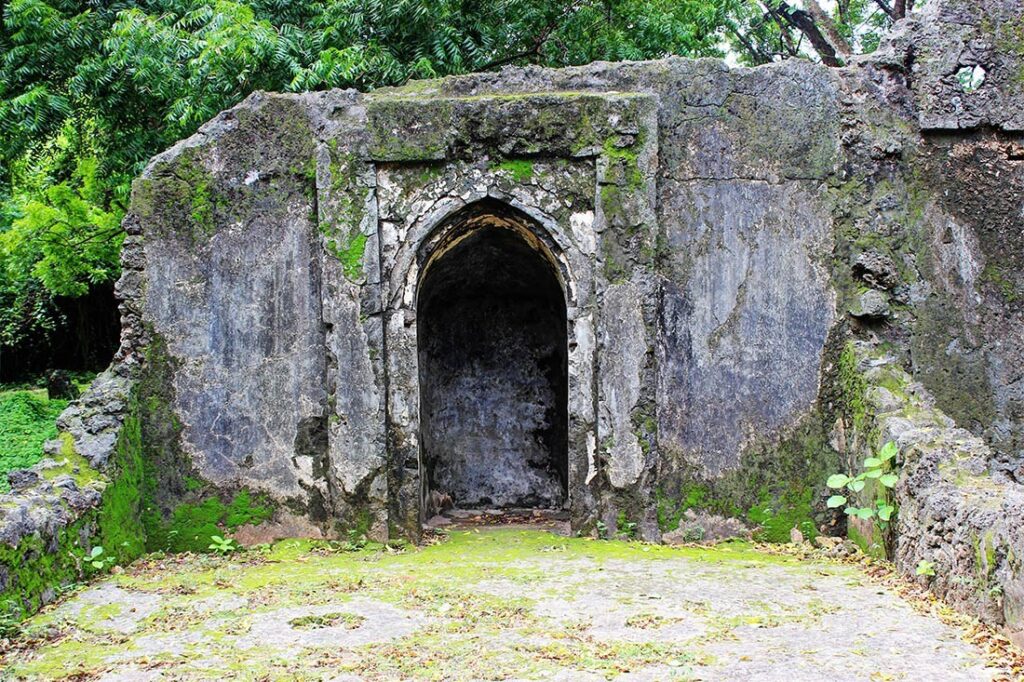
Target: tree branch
785, 40
805, 23
538, 43
888, 9
756, 55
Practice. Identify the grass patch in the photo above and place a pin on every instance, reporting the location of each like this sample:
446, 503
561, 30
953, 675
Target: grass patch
27, 420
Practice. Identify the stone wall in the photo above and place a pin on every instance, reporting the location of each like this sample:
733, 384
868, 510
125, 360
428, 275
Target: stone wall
717, 233
718, 236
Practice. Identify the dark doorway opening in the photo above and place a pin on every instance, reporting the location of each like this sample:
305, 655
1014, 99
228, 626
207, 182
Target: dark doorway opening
493, 367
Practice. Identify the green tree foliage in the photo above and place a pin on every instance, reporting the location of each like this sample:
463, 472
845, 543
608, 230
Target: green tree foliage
90, 89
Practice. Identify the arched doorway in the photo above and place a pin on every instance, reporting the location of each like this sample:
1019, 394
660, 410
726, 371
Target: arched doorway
493, 365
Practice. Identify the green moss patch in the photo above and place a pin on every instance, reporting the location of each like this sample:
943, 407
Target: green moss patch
778, 515
327, 620
521, 170
776, 487
192, 524
351, 255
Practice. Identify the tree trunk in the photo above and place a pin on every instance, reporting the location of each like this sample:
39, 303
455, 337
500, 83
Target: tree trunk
825, 22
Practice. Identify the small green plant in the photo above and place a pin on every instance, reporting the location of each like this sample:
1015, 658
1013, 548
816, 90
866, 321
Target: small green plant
971, 78
602, 530
875, 469
626, 528
222, 545
10, 622
355, 542
99, 560
926, 568
694, 534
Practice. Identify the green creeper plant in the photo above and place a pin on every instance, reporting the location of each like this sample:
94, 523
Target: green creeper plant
876, 469
925, 568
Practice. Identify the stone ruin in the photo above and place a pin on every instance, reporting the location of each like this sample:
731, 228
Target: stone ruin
623, 290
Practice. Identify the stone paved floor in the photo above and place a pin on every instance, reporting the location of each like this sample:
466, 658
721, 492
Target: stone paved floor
492, 604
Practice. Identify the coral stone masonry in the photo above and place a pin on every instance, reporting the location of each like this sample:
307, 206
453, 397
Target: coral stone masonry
623, 292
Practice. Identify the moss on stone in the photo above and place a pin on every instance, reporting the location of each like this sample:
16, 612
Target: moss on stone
343, 212
1003, 283
120, 515
179, 510
69, 463
1010, 39
351, 255
778, 514
180, 199
409, 128
521, 170
852, 387
869, 537
671, 508
623, 162
985, 557
778, 485
959, 381
38, 567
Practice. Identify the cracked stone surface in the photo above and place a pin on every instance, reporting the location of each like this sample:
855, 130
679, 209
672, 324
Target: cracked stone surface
496, 604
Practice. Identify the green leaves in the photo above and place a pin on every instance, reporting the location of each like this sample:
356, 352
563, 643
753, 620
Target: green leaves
837, 481
62, 236
97, 560
875, 469
925, 568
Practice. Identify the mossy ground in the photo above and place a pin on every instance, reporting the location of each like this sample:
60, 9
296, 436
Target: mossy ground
488, 604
